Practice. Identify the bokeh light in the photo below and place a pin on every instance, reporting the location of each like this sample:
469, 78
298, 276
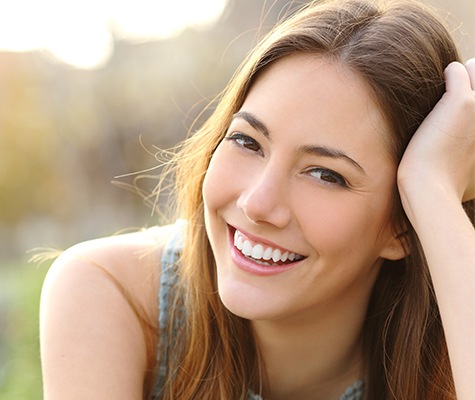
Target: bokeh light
81, 32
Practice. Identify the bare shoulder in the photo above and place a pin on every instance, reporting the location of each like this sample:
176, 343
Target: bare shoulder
92, 340
132, 261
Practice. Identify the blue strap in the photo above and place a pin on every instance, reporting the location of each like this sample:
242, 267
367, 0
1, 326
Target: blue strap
168, 279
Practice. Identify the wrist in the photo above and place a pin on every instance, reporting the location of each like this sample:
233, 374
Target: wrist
427, 200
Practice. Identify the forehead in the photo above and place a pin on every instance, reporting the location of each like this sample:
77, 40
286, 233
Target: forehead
319, 96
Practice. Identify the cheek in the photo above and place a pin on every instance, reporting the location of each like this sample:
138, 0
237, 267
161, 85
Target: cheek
218, 182
341, 224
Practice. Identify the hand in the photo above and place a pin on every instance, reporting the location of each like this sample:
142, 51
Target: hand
441, 155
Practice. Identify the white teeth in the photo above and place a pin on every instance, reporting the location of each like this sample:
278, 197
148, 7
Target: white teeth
258, 252
267, 254
237, 240
276, 255
247, 248
284, 256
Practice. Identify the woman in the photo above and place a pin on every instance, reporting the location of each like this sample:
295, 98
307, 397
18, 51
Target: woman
324, 231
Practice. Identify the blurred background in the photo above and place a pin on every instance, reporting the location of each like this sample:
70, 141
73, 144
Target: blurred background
89, 91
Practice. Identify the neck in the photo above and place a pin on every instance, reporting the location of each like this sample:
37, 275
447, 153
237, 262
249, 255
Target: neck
311, 359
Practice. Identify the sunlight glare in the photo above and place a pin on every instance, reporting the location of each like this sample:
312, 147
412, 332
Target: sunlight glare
81, 32
145, 19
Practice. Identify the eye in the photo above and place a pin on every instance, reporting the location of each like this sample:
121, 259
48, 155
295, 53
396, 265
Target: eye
244, 141
328, 176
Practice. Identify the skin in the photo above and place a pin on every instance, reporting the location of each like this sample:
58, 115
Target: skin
436, 173
265, 185
99, 353
91, 343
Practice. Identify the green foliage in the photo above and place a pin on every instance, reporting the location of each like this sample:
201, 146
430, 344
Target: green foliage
20, 374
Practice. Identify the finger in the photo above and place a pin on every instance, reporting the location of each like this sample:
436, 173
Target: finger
470, 66
457, 78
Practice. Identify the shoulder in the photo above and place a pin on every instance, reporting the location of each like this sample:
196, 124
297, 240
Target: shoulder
131, 261
92, 341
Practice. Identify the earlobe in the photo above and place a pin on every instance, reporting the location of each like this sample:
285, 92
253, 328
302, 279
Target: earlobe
397, 247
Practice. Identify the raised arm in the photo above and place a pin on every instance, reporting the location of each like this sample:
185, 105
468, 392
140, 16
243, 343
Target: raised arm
92, 342
436, 174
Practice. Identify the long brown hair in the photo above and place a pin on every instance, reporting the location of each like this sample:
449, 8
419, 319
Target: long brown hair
400, 49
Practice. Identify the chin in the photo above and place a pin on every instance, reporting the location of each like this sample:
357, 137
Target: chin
247, 301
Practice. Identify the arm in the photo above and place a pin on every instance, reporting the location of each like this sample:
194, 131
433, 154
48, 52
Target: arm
436, 174
92, 343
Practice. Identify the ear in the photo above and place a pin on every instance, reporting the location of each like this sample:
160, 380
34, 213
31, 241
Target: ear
397, 247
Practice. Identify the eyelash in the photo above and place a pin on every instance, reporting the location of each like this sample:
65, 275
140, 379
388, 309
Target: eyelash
244, 141
247, 142
335, 177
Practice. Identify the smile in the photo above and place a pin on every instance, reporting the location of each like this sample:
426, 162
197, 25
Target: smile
264, 254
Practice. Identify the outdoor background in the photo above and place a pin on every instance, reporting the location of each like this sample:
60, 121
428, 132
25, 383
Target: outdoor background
89, 90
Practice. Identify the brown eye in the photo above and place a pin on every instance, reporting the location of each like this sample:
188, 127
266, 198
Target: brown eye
328, 176
245, 141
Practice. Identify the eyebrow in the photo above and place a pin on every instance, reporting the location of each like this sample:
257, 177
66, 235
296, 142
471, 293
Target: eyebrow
252, 120
321, 151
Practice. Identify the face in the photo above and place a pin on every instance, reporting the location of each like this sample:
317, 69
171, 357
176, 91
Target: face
298, 194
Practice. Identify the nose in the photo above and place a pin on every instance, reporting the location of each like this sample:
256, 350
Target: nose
265, 199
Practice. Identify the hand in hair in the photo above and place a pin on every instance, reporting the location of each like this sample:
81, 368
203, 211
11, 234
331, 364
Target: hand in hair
441, 155
436, 173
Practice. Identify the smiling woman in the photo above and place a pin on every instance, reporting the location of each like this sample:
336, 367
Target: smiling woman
282, 184
324, 247
58, 26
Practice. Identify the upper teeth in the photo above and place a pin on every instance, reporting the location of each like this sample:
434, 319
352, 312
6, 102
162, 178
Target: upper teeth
258, 251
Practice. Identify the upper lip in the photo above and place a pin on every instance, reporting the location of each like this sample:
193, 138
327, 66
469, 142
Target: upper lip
263, 241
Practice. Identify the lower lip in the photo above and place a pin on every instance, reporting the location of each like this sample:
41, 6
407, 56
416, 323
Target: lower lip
245, 264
